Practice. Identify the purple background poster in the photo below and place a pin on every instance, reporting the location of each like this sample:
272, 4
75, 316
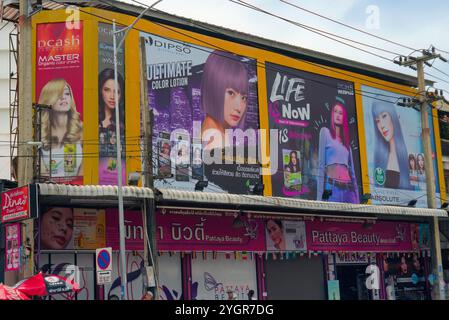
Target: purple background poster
179, 83
300, 105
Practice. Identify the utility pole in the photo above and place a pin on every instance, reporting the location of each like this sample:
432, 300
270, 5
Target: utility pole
149, 206
25, 123
417, 63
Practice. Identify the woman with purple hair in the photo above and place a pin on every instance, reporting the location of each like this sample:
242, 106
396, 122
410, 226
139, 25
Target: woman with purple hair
224, 90
390, 152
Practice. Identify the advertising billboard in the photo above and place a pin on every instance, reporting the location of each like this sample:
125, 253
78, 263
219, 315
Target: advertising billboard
201, 98
59, 89
395, 150
318, 142
106, 105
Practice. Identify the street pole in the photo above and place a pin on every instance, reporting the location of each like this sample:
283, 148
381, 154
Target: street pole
437, 262
119, 150
438, 286
25, 124
149, 206
119, 176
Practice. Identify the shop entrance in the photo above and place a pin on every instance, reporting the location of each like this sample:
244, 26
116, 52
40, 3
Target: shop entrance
352, 282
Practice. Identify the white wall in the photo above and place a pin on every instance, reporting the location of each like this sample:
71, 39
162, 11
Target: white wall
5, 170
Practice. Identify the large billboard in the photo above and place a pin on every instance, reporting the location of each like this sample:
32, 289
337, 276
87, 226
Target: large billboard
59, 90
318, 153
394, 150
107, 172
200, 99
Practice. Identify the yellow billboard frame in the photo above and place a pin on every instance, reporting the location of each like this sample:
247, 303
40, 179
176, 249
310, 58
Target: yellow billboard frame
91, 18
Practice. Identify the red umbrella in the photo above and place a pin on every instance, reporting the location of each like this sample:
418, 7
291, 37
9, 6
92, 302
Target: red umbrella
46, 284
9, 293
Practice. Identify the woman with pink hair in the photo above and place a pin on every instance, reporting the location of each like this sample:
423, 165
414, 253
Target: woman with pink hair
336, 166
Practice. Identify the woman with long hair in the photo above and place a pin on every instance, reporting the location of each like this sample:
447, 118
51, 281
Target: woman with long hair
61, 131
106, 99
335, 161
390, 151
421, 171
413, 170
224, 89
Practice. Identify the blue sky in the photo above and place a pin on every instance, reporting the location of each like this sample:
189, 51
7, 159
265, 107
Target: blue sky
413, 23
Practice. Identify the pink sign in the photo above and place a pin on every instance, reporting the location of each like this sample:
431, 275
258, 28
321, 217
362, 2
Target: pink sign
15, 204
337, 236
133, 230
196, 230
12, 247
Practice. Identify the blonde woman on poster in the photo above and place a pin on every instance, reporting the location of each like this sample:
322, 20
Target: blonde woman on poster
61, 131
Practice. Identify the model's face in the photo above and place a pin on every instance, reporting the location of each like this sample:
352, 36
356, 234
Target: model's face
421, 162
108, 92
338, 115
416, 263
63, 103
385, 126
275, 232
234, 107
404, 267
412, 164
57, 228
294, 159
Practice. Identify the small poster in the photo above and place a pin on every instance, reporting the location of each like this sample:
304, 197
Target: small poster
12, 247
333, 289
90, 226
284, 235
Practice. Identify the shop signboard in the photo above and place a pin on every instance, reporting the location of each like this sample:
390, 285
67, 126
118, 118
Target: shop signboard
19, 204
195, 93
198, 230
394, 132
316, 119
134, 231
351, 258
368, 237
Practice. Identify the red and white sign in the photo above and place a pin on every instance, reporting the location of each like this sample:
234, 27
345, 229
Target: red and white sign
15, 204
12, 247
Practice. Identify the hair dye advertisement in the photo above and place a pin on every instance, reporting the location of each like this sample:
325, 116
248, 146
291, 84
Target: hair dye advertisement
405, 277
107, 104
206, 116
318, 153
395, 151
59, 91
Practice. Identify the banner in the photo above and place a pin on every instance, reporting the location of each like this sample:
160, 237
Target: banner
206, 117
318, 154
284, 235
106, 105
378, 237
13, 244
395, 150
134, 234
89, 229
59, 86
196, 230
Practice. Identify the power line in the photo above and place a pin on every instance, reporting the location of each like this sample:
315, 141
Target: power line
348, 26
319, 31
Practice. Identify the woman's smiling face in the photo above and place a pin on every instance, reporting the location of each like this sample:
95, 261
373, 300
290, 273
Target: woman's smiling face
385, 126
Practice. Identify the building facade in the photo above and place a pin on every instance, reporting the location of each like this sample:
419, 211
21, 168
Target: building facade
270, 163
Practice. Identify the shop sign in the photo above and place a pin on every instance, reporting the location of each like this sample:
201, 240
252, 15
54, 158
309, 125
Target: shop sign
378, 237
17, 204
197, 230
351, 258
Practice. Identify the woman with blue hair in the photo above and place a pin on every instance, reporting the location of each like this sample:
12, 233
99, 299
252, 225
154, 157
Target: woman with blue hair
390, 152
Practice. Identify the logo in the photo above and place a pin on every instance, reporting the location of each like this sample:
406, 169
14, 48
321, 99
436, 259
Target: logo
379, 176
52, 279
169, 46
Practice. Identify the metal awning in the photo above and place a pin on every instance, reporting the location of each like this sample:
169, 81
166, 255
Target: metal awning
92, 191
96, 194
278, 203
